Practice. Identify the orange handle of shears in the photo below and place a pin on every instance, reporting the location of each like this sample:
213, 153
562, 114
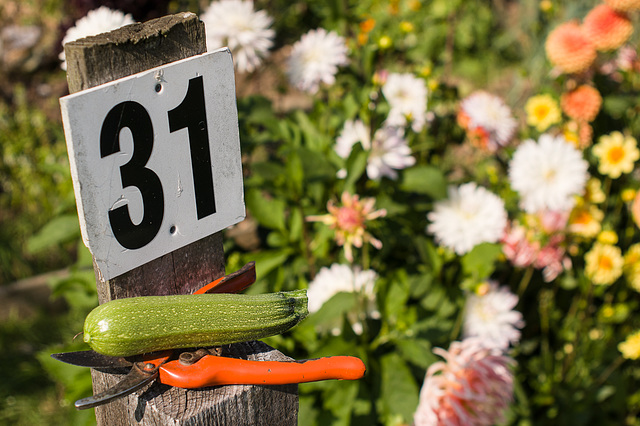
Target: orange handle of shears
232, 283
216, 371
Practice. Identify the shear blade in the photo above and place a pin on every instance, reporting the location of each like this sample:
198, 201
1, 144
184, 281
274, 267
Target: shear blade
91, 359
133, 381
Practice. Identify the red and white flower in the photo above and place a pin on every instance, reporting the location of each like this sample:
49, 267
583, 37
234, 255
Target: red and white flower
472, 386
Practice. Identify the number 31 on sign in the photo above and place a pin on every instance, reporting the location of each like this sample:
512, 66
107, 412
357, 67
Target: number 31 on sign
155, 160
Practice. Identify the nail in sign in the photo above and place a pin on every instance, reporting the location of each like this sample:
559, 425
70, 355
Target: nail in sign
155, 160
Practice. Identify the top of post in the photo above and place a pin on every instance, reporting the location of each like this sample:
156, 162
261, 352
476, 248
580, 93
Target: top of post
134, 48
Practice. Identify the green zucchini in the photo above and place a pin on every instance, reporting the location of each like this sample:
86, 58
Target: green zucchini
137, 325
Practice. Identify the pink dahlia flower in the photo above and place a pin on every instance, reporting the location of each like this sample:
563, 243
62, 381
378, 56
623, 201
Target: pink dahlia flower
472, 386
350, 222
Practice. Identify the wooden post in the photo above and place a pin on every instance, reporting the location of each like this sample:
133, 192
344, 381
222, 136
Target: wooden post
96, 60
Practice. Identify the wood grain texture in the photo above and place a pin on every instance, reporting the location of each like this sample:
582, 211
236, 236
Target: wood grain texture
92, 61
97, 60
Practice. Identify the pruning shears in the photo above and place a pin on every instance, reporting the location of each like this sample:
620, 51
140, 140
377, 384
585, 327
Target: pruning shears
203, 367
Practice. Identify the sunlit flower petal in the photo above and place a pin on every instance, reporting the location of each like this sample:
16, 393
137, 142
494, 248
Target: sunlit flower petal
540, 243
315, 58
520, 250
354, 131
631, 267
340, 278
542, 112
582, 103
547, 174
236, 25
623, 5
488, 118
407, 96
616, 154
389, 152
492, 318
607, 28
569, 48
586, 220
603, 264
594, 193
350, 222
630, 348
635, 209
472, 386
469, 216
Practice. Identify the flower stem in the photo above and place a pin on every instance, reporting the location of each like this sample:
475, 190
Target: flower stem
455, 331
306, 243
545, 301
524, 282
366, 259
606, 373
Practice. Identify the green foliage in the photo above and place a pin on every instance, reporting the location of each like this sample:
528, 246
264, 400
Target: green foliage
36, 388
35, 186
568, 367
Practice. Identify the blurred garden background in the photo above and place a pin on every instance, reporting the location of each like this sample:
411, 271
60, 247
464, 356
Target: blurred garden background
454, 181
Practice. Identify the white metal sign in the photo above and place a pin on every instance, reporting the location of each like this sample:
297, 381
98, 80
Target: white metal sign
155, 160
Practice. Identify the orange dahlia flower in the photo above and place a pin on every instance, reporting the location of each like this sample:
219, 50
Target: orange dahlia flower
569, 48
607, 28
477, 135
581, 104
585, 135
623, 5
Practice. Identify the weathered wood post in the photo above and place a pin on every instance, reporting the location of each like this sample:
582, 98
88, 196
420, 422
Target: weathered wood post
96, 60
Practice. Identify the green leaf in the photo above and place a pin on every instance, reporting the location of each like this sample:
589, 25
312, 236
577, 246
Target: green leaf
339, 399
479, 263
78, 289
268, 212
77, 380
316, 166
396, 298
429, 254
420, 284
267, 261
314, 138
425, 180
416, 351
60, 230
277, 239
433, 298
356, 165
296, 224
604, 393
617, 105
307, 412
399, 391
257, 110
350, 106
332, 311
393, 208
269, 171
295, 173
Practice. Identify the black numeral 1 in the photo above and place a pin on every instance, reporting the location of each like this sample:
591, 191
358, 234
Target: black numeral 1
192, 115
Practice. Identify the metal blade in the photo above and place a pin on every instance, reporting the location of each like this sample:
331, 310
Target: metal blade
133, 381
91, 359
